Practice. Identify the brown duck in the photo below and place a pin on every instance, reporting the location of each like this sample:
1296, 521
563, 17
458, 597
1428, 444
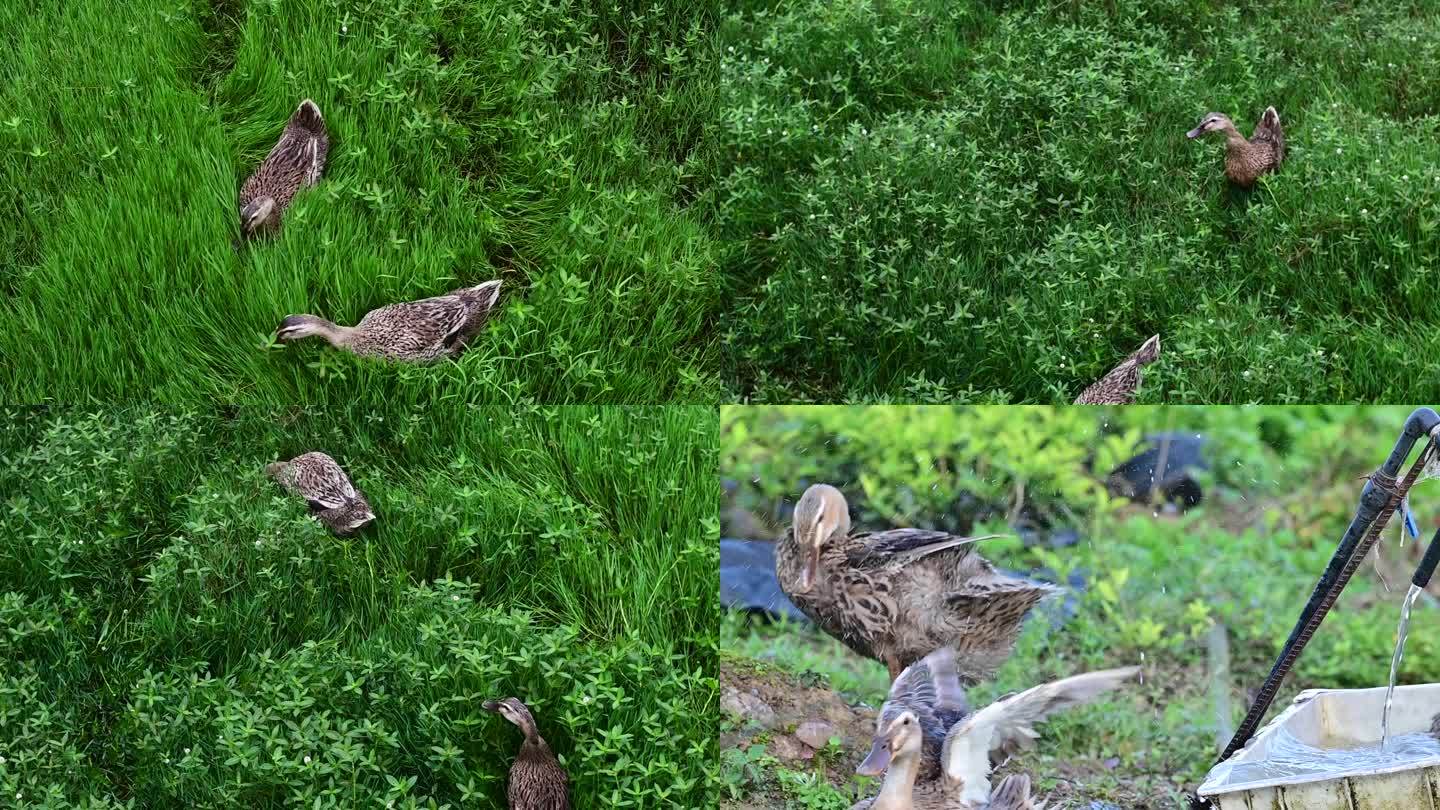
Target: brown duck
1119, 386
1246, 160
897, 595
319, 479
537, 780
972, 747
413, 331
296, 162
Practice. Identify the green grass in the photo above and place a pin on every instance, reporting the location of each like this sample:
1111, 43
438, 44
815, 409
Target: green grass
912, 200
547, 145
178, 632
927, 200
1246, 559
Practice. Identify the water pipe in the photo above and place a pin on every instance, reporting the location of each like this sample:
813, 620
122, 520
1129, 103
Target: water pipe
1426, 569
1378, 500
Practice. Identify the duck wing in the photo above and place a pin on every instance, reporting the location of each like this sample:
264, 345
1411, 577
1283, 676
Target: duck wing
305, 142
985, 610
930, 689
1008, 724
1013, 793
321, 480
930, 684
413, 327
1268, 131
317, 478
296, 160
899, 547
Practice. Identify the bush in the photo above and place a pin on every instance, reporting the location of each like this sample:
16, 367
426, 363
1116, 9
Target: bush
949, 202
178, 631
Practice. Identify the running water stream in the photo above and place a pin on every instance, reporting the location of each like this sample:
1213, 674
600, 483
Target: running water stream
1404, 630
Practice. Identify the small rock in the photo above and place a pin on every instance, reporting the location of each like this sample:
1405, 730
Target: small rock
747, 707
815, 733
1102, 806
788, 749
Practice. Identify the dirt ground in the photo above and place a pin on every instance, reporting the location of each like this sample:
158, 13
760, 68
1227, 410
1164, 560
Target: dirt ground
763, 705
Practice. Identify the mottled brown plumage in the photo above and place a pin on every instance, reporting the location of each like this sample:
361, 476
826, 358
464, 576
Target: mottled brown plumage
1119, 386
414, 331
318, 479
1246, 160
537, 780
296, 162
897, 595
972, 746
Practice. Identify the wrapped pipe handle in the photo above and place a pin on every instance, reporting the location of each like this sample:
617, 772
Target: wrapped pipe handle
1427, 565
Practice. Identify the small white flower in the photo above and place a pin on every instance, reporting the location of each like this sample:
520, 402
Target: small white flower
344, 29
2, 760
187, 752
1338, 150
307, 759
1404, 177
1364, 211
455, 598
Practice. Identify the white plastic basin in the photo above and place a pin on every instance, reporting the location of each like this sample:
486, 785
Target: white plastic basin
1268, 775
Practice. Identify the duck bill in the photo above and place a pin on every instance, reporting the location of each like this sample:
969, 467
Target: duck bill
491, 706
876, 761
1195, 133
810, 570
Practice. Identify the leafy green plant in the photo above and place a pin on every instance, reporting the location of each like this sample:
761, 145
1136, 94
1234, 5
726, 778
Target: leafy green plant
741, 769
977, 202
179, 632
809, 791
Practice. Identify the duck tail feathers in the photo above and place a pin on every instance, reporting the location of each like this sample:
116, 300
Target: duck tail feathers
307, 117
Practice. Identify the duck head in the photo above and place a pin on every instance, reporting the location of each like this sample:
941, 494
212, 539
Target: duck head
259, 215
896, 738
821, 514
298, 327
353, 518
516, 712
1212, 122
